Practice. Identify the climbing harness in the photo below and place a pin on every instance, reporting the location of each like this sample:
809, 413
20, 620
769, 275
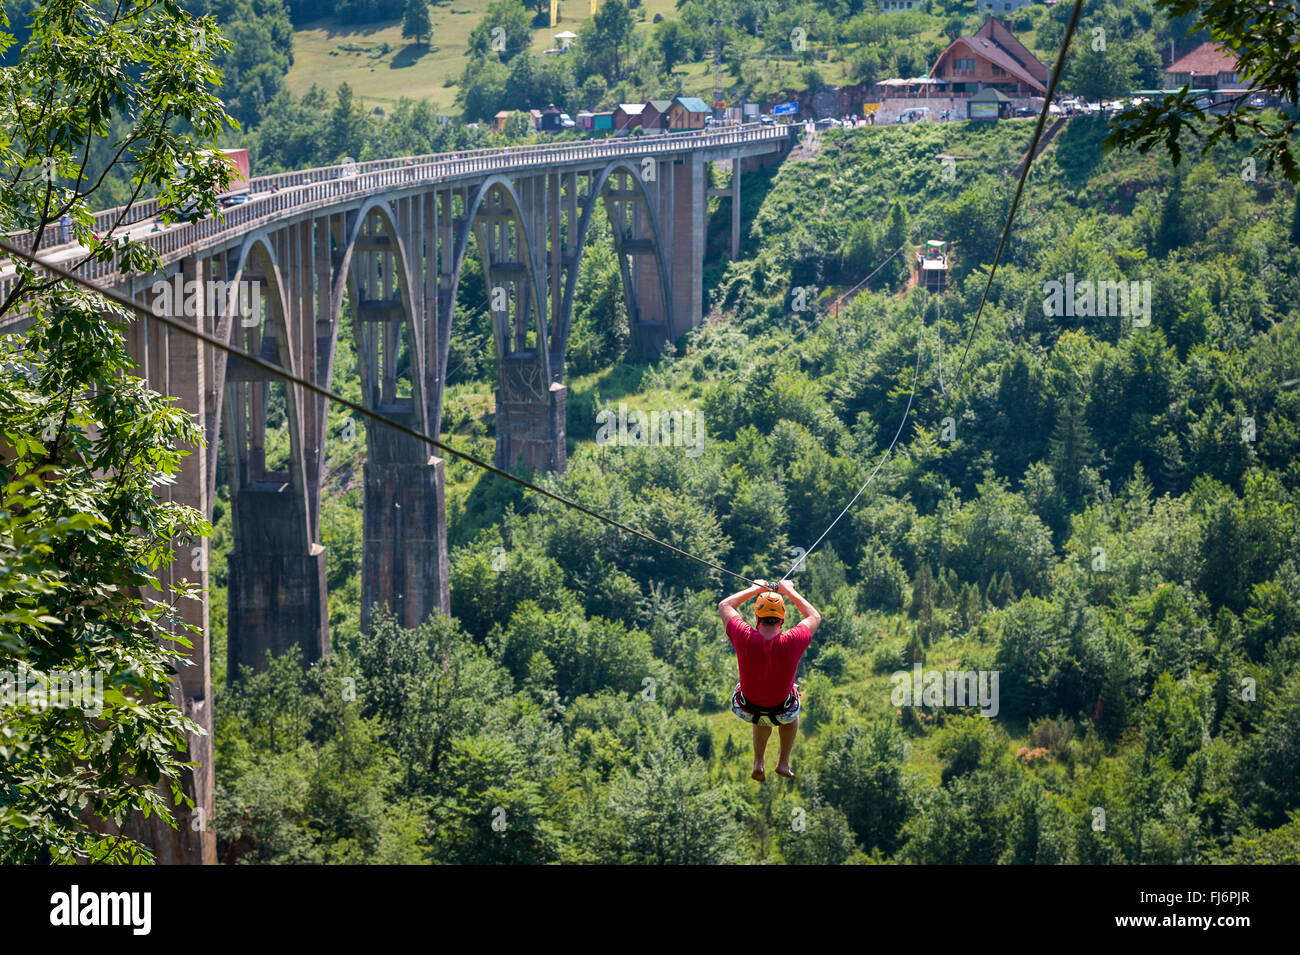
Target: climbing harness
753, 712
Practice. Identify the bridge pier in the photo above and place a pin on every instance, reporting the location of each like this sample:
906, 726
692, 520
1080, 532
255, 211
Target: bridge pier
275, 582
178, 366
276, 588
530, 417
404, 556
686, 252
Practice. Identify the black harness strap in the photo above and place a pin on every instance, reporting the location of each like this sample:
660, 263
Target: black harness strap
758, 712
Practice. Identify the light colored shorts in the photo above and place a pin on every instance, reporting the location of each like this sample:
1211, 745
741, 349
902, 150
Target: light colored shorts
788, 713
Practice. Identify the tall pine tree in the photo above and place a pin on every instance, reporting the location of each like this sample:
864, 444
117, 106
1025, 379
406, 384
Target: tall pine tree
416, 22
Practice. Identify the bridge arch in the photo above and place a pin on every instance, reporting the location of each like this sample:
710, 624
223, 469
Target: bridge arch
404, 563
276, 568
529, 406
498, 193
630, 171
374, 229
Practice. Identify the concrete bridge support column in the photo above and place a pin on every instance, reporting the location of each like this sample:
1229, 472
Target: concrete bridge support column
178, 368
276, 571
735, 206
686, 250
276, 583
530, 417
652, 327
404, 550
404, 554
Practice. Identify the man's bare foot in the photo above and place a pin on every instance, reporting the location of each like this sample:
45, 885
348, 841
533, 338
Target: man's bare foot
758, 774
784, 771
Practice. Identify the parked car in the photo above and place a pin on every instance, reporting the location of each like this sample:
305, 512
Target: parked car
914, 115
566, 121
1026, 111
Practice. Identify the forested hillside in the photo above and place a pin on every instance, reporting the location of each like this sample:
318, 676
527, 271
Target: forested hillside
1108, 520
1077, 479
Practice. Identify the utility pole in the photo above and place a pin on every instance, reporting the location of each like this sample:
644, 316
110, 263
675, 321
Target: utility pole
717, 62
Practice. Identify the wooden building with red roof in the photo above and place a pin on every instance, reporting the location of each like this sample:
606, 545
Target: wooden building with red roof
1207, 67
991, 58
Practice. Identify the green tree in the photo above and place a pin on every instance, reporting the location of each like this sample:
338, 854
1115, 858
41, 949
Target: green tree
1072, 449
896, 233
1173, 724
416, 21
863, 778
504, 32
483, 89
493, 811
428, 686
82, 534
1098, 74
260, 54
347, 123
670, 38
666, 814
817, 835
604, 42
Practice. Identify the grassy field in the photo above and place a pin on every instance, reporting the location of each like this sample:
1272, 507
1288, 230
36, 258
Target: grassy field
327, 53
416, 71
425, 71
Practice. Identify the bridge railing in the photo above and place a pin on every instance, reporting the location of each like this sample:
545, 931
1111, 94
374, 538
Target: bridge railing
306, 188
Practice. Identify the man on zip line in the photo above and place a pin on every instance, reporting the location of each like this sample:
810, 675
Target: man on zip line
768, 658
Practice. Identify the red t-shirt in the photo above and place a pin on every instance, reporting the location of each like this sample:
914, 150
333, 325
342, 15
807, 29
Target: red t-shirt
767, 667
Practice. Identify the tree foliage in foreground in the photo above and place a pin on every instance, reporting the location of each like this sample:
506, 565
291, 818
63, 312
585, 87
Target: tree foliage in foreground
84, 532
1265, 37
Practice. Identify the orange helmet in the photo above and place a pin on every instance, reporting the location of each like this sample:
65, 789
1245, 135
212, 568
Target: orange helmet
769, 604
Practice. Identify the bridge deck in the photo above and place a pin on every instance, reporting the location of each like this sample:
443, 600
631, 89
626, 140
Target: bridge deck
276, 197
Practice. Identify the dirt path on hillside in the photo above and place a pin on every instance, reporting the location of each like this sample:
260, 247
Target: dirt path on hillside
808, 147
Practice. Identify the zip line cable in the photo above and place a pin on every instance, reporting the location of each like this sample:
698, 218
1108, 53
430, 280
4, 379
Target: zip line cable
1024, 174
906, 413
873, 272
1006, 232
287, 376
938, 338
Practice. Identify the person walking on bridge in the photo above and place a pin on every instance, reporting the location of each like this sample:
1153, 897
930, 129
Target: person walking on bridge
768, 658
